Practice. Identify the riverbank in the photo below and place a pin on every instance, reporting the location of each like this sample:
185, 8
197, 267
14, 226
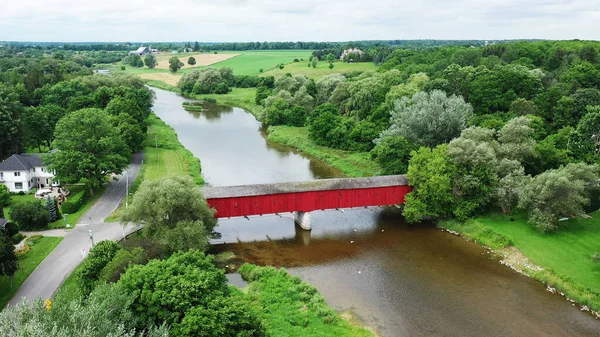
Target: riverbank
352, 164
163, 155
561, 260
302, 313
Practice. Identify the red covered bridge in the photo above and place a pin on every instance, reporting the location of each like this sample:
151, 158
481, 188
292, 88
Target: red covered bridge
306, 196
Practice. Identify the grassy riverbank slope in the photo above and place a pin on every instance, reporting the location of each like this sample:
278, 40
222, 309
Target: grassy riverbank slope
163, 155
352, 164
39, 249
564, 255
292, 307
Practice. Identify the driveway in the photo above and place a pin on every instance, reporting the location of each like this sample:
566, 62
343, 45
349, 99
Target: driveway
58, 265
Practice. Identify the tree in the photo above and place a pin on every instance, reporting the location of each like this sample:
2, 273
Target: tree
164, 290
191, 61
92, 266
314, 62
175, 64
516, 140
150, 61
428, 118
52, 211
392, 154
4, 199
589, 127
196, 46
90, 147
216, 320
168, 204
10, 122
558, 193
130, 131
331, 65
30, 214
431, 173
322, 120
522, 107
9, 262
509, 188
105, 312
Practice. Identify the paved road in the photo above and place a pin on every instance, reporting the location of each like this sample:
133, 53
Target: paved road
58, 265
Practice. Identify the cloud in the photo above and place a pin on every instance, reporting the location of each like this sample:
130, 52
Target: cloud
306, 20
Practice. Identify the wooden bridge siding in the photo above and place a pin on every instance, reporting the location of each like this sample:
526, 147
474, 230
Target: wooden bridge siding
308, 201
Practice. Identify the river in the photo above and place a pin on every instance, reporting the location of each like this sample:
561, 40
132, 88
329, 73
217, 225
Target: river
399, 279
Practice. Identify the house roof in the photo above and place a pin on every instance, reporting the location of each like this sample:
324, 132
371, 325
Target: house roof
19, 162
3, 222
141, 49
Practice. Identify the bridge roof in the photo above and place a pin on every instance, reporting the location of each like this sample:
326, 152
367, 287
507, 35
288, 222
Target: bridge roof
215, 192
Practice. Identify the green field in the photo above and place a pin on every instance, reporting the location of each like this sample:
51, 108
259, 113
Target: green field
353, 164
247, 63
27, 265
322, 69
565, 254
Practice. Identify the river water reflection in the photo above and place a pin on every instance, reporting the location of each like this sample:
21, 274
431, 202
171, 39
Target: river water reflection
401, 280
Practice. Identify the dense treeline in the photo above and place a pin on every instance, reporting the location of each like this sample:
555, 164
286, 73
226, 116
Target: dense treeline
219, 81
515, 116
54, 102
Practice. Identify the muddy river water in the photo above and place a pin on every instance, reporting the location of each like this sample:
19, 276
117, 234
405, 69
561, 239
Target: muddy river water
399, 279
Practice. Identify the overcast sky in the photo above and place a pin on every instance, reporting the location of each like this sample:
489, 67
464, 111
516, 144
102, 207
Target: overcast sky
298, 20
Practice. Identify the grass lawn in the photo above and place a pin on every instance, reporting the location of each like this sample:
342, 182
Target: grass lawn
322, 69
566, 251
564, 254
352, 164
27, 265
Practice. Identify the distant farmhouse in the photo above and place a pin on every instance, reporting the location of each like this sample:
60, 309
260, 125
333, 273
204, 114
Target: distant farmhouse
22, 172
352, 52
143, 51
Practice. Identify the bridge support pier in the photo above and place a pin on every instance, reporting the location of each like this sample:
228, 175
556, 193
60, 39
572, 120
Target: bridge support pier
302, 235
303, 220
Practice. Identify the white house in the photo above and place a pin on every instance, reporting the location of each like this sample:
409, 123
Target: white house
22, 172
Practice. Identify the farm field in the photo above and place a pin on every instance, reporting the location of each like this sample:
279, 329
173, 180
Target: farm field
202, 60
322, 69
168, 78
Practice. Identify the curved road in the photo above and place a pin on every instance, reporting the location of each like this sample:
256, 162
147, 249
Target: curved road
58, 265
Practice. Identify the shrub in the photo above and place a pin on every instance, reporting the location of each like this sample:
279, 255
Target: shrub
21, 193
17, 238
23, 252
30, 215
12, 228
32, 240
122, 67
210, 99
98, 258
120, 262
69, 207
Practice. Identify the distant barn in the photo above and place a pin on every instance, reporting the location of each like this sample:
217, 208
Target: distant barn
141, 51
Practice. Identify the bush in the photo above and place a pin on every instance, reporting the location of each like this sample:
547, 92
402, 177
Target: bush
32, 240
21, 193
30, 215
99, 257
73, 203
210, 99
17, 238
12, 228
120, 262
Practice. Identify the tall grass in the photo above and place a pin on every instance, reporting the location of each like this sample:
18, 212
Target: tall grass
292, 307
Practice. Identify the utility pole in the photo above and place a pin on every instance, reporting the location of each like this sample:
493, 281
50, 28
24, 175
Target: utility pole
156, 147
90, 232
